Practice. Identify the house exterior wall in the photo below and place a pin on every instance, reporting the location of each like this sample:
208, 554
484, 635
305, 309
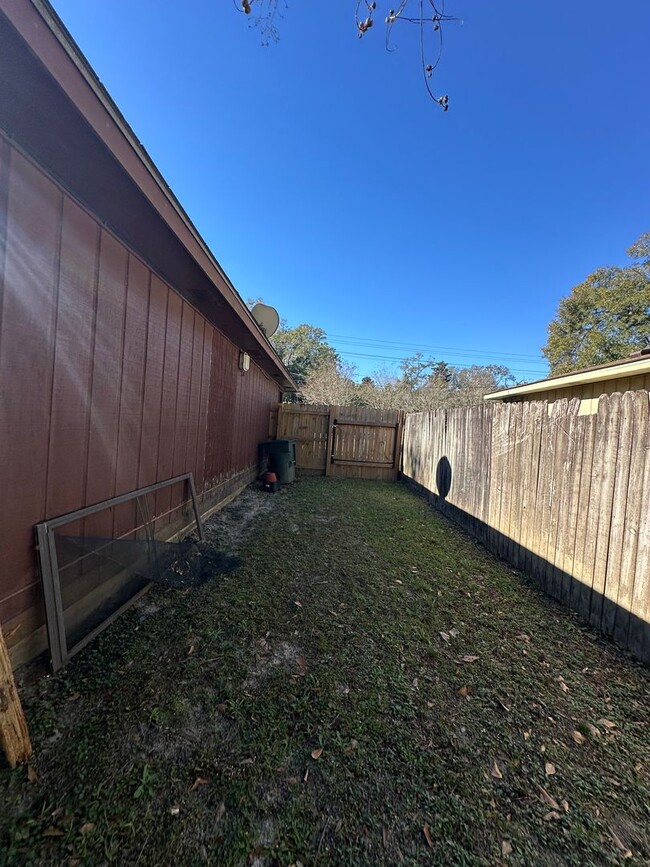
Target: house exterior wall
588, 393
110, 380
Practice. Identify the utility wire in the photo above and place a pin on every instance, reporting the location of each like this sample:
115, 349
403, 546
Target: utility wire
372, 342
398, 360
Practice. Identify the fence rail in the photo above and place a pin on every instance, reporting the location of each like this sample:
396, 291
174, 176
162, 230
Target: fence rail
564, 497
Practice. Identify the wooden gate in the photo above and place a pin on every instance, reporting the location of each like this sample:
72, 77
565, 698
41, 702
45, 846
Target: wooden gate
350, 441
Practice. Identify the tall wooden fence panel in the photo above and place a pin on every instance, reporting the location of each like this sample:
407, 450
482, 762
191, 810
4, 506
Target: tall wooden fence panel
350, 442
563, 497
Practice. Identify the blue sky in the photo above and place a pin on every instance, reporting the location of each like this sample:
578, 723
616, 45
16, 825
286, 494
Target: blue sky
325, 180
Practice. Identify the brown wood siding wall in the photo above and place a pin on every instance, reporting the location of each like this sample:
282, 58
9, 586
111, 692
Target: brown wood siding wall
110, 381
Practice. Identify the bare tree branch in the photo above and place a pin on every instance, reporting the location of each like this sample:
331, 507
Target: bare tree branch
428, 15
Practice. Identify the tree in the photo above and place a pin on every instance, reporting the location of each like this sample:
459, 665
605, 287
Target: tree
424, 384
427, 16
303, 349
469, 384
605, 318
332, 384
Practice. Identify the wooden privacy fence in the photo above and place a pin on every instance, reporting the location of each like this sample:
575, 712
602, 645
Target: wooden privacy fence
563, 497
349, 441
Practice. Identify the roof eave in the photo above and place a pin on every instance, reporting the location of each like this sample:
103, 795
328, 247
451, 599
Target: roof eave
600, 374
156, 187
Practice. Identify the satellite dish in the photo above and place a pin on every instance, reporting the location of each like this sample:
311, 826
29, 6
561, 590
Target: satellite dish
267, 318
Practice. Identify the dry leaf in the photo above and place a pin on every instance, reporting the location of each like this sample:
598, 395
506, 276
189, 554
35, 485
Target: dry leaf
397, 581
191, 650
578, 737
444, 636
563, 685
221, 809
503, 705
454, 632
607, 723
175, 810
468, 659
87, 827
594, 731
351, 747
496, 771
464, 691
620, 844
32, 776
426, 830
384, 837
549, 767
506, 848
527, 734
552, 815
565, 806
301, 665
199, 781
317, 753
299, 604
306, 777
549, 799
53, 831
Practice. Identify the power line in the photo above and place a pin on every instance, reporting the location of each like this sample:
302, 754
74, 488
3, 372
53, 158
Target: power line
398, 359
372, 342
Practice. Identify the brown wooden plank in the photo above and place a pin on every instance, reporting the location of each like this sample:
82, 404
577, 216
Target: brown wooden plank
608, 446
616, 530
563, 410
637, 505
531, 433
29, 285
485, 468
14, 735
330, 439
107, 371
580, 592
514, 476
570, 500
343, 462
538, 538
501, 446
69, 426
639, 631
357, 422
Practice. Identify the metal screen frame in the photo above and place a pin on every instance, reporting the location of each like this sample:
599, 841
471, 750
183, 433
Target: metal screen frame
60, 653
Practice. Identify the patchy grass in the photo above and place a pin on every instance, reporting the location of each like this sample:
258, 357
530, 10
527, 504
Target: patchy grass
185, 734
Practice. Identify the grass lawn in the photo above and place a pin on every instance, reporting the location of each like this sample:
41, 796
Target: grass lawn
369, 687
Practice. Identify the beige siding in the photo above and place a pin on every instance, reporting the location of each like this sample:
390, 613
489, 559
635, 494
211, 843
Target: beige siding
587, 393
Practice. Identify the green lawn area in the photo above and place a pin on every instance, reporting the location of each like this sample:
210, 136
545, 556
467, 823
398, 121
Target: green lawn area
369, 687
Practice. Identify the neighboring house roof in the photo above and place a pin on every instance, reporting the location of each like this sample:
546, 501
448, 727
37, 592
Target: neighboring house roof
634, 365
110, 171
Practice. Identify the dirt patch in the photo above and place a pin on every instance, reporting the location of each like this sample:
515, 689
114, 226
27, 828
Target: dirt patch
269, 659
228, 529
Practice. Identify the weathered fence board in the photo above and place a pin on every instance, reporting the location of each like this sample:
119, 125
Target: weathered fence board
564, 497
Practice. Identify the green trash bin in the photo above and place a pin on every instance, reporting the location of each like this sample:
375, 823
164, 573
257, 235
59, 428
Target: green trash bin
282, 459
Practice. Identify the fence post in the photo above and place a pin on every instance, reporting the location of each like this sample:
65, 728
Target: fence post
333, 412
14, 736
